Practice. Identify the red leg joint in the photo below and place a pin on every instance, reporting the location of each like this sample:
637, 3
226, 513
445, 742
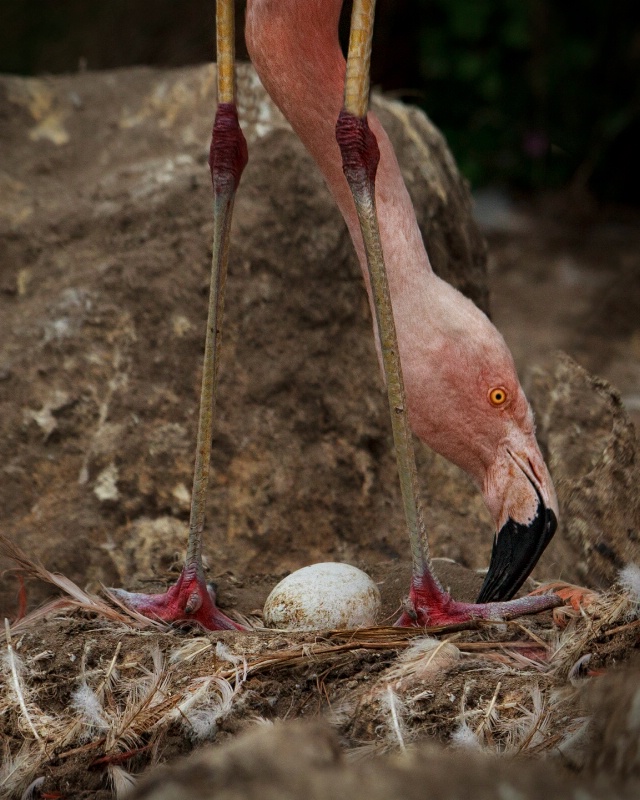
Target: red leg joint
228, 154
359, 150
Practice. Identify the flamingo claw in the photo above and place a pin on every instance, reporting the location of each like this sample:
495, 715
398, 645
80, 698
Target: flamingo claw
190, 600
574, 598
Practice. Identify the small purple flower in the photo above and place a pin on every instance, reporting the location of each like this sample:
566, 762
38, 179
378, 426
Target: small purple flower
535, 144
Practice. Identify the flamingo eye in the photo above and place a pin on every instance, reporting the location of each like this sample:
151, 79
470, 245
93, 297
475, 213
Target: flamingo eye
497, 396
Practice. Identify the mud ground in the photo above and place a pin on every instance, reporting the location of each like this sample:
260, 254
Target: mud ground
104, 257
105, 276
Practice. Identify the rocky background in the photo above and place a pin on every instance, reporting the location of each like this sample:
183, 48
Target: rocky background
105, 211
105, 234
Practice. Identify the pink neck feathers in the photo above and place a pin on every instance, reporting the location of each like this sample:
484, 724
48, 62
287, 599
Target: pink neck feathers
295, 49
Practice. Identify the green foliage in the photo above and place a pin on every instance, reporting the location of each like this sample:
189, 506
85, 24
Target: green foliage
535, 93
532, 93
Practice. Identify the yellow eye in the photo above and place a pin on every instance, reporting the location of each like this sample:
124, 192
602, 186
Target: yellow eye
497, 396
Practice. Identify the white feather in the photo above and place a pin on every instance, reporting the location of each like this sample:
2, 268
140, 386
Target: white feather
422, 660
122, 781
629, 579
464, 738
15, 667
207, 710
16, 770
397, 710
85, 702
224, 654
28, 793
191, 649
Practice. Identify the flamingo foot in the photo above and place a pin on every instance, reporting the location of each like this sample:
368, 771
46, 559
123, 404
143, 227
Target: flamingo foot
429, 605
190, 600
575, 598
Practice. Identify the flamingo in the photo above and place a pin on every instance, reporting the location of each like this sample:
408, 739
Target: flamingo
450, 376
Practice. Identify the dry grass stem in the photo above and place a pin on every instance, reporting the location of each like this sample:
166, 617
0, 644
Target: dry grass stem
509, 688
15, 668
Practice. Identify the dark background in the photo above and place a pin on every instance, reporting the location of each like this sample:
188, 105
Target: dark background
531, 94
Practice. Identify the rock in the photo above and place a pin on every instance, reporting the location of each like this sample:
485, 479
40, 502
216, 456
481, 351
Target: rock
105, 226
105, 236
303, 760
614, 728
592, 454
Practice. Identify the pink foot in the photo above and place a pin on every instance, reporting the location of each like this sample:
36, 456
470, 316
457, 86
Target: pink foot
429, 605
575, 598
189, 600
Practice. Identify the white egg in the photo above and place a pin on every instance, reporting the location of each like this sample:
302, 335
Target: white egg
321, 596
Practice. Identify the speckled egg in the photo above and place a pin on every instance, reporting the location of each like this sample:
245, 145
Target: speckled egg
327, 595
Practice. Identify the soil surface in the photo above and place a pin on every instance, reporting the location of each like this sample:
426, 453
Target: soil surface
105, 217
105, 273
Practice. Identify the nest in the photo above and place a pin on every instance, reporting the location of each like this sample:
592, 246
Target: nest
92, 693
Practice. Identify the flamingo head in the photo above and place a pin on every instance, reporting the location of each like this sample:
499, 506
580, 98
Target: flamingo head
466, 402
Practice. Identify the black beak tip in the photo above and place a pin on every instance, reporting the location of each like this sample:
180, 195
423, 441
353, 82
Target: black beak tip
516, 550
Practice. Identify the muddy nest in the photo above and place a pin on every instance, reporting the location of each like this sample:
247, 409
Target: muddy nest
91, 696
105, 213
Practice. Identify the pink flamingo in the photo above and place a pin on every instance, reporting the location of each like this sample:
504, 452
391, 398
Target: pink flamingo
461, 390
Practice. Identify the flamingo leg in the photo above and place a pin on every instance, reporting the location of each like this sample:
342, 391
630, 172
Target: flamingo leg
428, 602
191, 599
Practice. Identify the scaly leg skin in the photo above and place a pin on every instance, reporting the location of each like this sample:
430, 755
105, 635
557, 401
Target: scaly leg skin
428, 603
191, 599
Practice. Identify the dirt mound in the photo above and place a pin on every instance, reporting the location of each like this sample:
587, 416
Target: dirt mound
105, 257
306, 760
593, 458
91, 697
106, 230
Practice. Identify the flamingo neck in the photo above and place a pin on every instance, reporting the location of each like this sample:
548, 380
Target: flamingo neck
294, 47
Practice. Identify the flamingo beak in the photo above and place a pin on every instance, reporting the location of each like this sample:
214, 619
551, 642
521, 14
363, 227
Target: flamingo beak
517, 545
